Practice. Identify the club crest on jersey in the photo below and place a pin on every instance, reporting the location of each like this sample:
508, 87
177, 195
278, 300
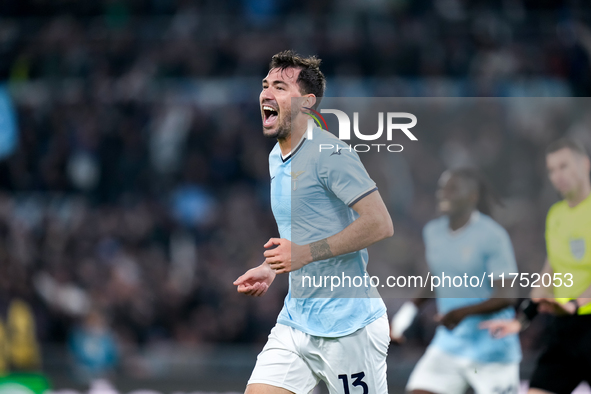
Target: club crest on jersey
294, 179
577, 248
466, 253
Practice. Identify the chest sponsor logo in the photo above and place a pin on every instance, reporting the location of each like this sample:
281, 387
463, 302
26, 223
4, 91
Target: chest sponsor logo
577, 248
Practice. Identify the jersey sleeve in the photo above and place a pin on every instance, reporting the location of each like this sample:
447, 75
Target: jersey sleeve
345, 175
501, 257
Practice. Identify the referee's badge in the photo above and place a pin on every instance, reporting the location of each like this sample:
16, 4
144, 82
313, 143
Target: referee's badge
577, 248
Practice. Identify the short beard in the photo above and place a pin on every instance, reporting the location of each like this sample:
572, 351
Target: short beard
283, 129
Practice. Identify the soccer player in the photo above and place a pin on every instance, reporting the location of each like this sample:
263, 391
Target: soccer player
338, 213
465, 242
566, 360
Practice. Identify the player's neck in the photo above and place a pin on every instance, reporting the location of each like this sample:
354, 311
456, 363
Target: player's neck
286, 144
460, 219
579, 196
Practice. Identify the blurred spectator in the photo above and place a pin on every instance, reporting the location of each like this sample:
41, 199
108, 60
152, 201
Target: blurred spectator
19, 346
23, 347
93, 348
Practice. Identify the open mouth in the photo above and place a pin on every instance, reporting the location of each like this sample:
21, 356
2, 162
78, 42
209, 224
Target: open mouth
270, 115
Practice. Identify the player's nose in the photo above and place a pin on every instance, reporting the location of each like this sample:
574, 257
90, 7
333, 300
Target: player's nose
266, 95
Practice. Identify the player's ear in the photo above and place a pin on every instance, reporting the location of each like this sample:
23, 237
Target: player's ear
309, 100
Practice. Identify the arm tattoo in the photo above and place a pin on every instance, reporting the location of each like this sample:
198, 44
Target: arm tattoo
320, 250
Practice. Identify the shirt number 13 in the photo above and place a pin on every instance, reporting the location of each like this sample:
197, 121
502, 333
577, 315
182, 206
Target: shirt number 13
357, 382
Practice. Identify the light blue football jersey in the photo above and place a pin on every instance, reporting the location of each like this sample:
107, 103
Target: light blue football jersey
312, 191
481, 246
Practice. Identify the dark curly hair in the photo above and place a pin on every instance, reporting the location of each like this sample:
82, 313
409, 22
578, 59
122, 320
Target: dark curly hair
310, 80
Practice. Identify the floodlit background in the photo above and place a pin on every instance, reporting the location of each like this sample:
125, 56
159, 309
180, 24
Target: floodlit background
134, 182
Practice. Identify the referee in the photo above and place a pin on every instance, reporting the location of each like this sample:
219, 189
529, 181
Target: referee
566, 360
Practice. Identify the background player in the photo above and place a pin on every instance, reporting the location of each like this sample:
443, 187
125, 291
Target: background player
566, 360
465, 240
342, 341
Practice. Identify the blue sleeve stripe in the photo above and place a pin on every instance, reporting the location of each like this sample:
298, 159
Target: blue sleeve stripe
367, 193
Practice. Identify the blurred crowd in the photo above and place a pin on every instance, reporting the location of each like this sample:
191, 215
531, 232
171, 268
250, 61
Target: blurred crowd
138, 191
129, 42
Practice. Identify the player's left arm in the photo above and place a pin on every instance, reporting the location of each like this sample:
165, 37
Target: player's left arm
500, 258
373, 224
502, 298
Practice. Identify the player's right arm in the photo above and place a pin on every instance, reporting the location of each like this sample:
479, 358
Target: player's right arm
256, 281
405, 316
373, 224
407, 313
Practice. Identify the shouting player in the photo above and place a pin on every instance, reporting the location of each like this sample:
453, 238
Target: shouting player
338, 213
465, 241
566, 359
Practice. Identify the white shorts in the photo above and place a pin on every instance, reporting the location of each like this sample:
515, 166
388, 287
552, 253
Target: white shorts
353, 364
443, 373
